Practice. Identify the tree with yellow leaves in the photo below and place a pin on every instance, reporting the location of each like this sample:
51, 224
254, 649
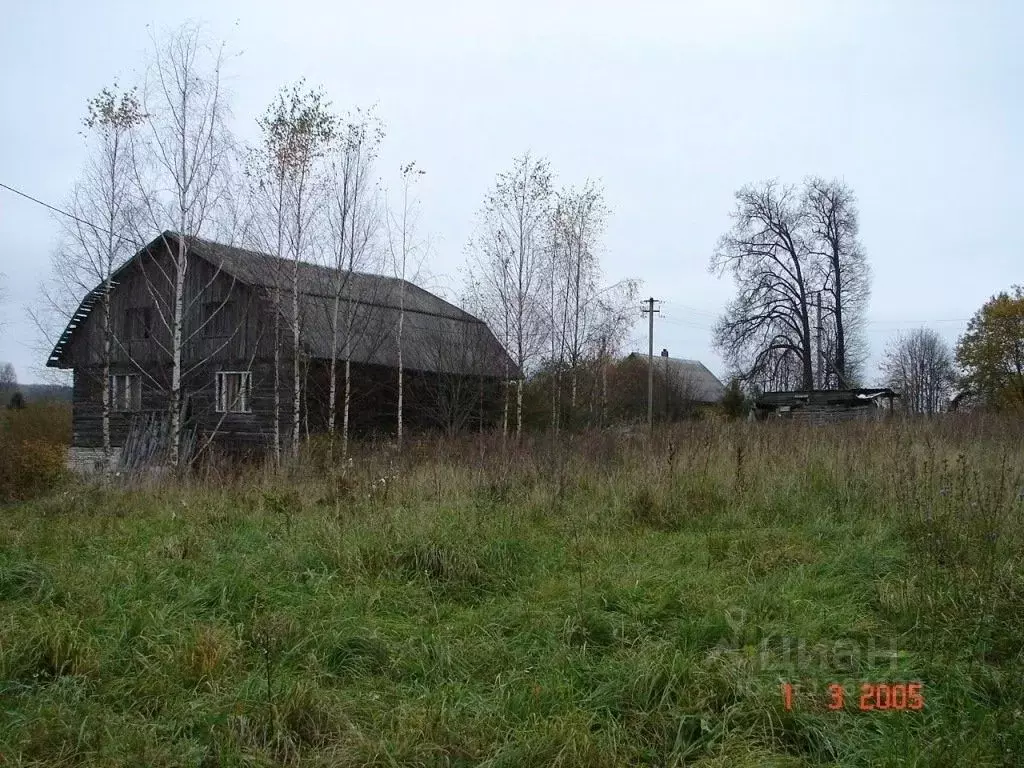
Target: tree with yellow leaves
991, 351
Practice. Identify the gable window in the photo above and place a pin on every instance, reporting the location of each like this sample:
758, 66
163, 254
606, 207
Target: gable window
126, 392
217, 316
138, 323
233, 391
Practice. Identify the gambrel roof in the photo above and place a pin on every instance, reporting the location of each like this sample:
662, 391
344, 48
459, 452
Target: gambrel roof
436, 335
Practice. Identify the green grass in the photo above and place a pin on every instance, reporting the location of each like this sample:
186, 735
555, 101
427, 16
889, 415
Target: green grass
601, 602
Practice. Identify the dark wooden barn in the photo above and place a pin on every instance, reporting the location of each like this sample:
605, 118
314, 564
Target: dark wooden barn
236, 302
821, 406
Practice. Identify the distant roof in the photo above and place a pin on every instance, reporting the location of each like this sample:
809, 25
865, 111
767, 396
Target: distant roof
703, 385
437, 335
865, 396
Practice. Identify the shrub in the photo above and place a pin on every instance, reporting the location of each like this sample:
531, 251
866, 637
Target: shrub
33, 441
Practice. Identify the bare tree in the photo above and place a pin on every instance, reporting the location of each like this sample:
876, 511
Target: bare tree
407, 255
615, 311
830, 209
8, 377
767, 328
289, 191
577, 222
458, 354
100, 237
919, 365
178, 164
266, 171
803, 284
507, 257
353, 220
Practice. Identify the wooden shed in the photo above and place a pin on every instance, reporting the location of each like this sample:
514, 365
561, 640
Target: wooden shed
820, 406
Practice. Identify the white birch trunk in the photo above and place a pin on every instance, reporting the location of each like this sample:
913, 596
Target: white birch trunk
401, 389
604, 391
519, 407
107, 452
333, 386
296, 377
348, 400
176, 344
504, 412
277, 377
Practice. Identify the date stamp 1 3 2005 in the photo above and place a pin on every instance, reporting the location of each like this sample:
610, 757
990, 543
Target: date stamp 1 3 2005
871, 697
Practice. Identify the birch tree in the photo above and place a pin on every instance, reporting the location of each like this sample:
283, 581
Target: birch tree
353, 222
178, 165
266, 172
578, 221
507, 255
298, 128
615, 312
407, 254
99, 236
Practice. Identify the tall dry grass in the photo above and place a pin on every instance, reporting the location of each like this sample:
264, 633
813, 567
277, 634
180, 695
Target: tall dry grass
596, 599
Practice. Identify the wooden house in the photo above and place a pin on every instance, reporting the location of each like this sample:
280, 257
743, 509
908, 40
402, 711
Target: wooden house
237, 340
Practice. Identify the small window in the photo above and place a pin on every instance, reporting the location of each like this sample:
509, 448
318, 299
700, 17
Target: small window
138, 323
217, 317
233, 391
126, 392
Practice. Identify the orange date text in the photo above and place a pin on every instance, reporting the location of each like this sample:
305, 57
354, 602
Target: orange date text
871, 697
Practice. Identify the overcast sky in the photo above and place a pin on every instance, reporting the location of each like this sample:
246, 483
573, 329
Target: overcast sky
673, 105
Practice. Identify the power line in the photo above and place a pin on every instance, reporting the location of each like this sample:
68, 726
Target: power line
692, 310
686, 324
62, 212
919, 322
672, 321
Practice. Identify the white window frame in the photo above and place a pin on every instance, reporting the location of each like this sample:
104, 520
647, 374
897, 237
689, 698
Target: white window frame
125, 390
243, 403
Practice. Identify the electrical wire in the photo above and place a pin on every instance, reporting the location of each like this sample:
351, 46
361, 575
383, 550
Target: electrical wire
62, 212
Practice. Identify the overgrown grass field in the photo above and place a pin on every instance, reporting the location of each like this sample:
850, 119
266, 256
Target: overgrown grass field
599, 600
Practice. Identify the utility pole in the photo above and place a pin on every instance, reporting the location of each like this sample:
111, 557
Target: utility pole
821, 360
650, 311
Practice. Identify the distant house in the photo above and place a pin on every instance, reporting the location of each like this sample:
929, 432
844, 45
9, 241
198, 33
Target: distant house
824, 406
235, 302
682, 388
963, 401
694, 379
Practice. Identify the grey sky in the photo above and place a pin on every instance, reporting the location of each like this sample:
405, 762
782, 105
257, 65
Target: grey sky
673, 105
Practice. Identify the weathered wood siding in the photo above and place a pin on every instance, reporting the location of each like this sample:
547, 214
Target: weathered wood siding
823, 414
237, 335
238, 338
148, 283
87, 410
